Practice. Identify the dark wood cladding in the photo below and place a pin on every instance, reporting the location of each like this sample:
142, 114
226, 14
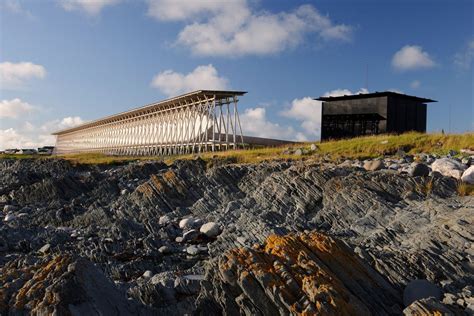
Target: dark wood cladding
377, 113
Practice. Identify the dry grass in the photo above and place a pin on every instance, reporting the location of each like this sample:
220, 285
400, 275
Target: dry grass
465, 189
361, 147
425, 187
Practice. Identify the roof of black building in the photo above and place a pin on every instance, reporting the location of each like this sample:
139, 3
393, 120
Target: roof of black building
375, 95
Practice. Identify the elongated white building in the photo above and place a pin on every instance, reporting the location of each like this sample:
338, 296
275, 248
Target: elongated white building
199, 121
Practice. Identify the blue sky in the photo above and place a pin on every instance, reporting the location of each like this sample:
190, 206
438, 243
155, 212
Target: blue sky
63, 62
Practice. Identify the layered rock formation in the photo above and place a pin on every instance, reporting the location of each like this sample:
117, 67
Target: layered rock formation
123, 222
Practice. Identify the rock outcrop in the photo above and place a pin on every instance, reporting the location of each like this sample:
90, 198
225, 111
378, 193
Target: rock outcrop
299, 274
154, 230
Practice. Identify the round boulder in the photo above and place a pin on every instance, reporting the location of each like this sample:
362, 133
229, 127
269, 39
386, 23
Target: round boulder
468, 175
448, 167
420, 289
419, 170
210, 229
373, 165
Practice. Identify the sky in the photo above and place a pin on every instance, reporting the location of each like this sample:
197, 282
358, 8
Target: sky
65, 62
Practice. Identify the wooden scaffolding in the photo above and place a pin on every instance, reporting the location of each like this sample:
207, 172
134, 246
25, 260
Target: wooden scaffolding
195, 122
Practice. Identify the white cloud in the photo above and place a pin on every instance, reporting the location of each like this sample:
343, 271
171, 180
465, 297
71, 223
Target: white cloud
415, 84
412, 57
90, 7
15, 6
308, 112
465, 58
14, 75
230, 28
14, 108
254, 123
30, 136
342, 92
11, 138
204, 77
60, 124
176, 10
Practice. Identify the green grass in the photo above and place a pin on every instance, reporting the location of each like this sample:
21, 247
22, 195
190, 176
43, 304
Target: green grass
361, 147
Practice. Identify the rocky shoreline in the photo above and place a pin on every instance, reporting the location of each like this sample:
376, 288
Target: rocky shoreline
285, 237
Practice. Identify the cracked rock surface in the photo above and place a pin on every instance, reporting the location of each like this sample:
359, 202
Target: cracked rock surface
286, 238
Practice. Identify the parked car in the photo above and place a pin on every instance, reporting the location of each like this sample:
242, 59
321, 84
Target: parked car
46, 150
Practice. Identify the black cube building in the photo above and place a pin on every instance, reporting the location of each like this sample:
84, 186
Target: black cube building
372, 113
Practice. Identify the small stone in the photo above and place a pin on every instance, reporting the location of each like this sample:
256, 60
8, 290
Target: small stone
45, 249
124, 191
9, 208
9, 217
192, 250
190, 235
187, 223
460, 302
384, 142
394, 166
313, 147
165, 219
147, 274
164, 250
400, 153
373, 165
449, 298
298, 152
419, 170
210, 229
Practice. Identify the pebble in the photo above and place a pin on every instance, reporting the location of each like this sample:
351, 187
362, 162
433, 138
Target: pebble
210, 229
147, 274
165, 219
192, 250
45, 249
164, 250
9, 217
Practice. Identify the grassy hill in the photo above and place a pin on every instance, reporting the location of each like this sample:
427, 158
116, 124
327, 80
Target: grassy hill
361, 147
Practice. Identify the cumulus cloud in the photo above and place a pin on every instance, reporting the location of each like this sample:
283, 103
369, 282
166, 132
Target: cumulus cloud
11, 138
60, 124
203, 77
255, 123
14, 108
464, 59
412, 57
308, 112
231, 28
342, 92
90, 7
29, 135
15, 74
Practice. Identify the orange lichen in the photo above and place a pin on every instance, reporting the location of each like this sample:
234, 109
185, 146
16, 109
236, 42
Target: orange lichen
33, 291
302, 268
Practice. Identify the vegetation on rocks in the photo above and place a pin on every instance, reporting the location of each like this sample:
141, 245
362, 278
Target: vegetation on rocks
361, 147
